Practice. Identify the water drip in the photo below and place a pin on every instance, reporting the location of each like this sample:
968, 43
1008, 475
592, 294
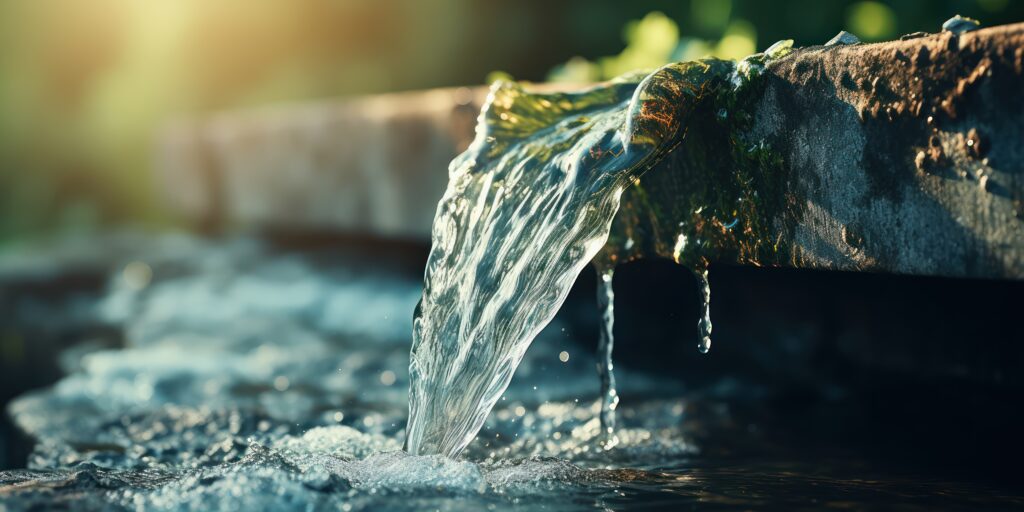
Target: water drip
605, 366
704, 324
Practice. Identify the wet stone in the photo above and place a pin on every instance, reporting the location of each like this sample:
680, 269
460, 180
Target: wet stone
960, 24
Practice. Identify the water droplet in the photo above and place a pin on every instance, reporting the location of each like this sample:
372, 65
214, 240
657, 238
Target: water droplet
975, 144
779, 49
563, 356
677, 249
960, 24
704, 324
843, 37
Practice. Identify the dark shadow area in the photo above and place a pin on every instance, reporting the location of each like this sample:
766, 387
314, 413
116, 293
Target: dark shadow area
43, 316
912, 373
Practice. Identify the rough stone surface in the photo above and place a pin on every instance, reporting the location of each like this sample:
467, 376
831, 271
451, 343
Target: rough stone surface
901, 157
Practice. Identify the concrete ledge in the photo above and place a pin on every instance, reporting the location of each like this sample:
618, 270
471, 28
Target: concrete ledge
374, 164
902, 157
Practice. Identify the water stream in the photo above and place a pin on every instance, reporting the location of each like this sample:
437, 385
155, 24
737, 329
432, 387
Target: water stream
528, 205
605, 346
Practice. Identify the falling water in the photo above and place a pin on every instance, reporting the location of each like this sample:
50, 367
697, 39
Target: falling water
528, 205
605, 367
704, 324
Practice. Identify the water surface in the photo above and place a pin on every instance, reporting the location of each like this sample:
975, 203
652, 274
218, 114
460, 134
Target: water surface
258, 380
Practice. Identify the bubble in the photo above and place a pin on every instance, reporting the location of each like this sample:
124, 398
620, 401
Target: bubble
137, 275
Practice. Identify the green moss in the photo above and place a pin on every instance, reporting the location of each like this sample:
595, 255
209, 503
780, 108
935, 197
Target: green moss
717, 196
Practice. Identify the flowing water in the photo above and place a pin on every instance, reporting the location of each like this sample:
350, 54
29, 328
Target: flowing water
528, 205
605, 346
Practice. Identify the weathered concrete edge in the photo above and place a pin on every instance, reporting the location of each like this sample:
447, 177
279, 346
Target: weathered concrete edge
370, 164
903, 157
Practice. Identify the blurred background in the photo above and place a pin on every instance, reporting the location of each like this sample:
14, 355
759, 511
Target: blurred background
86, 86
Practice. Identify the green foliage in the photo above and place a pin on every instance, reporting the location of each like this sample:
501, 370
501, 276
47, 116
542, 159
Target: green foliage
655, 40
871, 21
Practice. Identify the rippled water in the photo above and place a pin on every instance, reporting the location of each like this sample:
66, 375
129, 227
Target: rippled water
258, 381
268, 382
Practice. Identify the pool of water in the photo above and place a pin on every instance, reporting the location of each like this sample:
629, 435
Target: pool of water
255, 379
